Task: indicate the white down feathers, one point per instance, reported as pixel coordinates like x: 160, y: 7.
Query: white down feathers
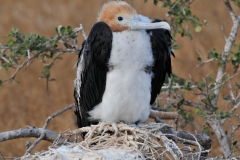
x: 128, y: 87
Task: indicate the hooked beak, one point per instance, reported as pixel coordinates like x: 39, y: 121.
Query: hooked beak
x: 137, y: 25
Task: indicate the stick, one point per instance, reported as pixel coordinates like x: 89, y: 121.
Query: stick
x: 163, y: 115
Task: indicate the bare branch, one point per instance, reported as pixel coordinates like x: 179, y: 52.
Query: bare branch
x: 203, y: 62
x: 82, y: 30
x: 19, y: 68
x: 230, y: 10
x: 226, y: 51
x: 29, y: 132
x: 231, y: 90
x: 3, y: 58
x: 193, y: 104
x: 235, y: 107
x: 221, y: 136
x: 35, y: 143
x: 57, y: 114
x: 163, y: 115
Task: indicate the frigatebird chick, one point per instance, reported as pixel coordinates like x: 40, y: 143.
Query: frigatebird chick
x: 121, y: 67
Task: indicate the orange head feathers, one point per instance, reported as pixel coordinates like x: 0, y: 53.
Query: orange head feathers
x: 120, y: 16
x: 116, y: 14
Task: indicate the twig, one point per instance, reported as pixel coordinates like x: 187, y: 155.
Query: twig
x: 224, y: 35
x: 82, y: 30
x: 235, y: 107
x: 3, y: 58
x: 219, y: 85
x: 57, y: 113
x: 58, y: 55
x: 35, y: 143
x: 2, y: 155
x: 19, y: 68
x: 29, y: 132
x: 193, y: 104
x: 177, y: 87
x: 231, y: 91
x: 163, y: 115
x: 29, y: 57
x: 174, y: 4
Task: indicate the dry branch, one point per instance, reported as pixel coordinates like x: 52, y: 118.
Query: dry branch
x: 57, y: 114
x: 35, y: 143
x: 163, y: 115
x: 29, y: 132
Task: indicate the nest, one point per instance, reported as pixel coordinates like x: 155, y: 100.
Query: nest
x: 144, y: 141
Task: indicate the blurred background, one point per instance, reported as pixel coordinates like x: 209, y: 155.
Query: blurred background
x: 29, y: 103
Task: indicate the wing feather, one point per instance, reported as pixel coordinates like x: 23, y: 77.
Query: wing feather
x: 161, y: 48
x: 91, y: 79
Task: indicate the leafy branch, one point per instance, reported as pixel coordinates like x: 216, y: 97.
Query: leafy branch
x: 21, y: 50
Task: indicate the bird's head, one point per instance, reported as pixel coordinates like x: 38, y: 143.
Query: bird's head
x: 120, y: 16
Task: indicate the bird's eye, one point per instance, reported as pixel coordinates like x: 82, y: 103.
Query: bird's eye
x: 120, y: 18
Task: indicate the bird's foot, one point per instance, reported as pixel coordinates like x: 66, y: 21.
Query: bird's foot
x: 114, y: 125
x: 137, y: 124
x: 101, y: 127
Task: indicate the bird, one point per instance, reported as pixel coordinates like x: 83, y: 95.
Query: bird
x: 121, y: 67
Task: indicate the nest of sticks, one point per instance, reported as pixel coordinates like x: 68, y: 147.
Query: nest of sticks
x: 144, y: 141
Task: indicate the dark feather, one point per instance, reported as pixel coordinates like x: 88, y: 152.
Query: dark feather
x: 96, y: 53
x: 161, y: 48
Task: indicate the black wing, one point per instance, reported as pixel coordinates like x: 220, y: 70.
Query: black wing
x: 161, y: 48
x: 92, y: 71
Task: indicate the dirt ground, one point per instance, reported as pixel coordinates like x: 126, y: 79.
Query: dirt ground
x: 28, y: 103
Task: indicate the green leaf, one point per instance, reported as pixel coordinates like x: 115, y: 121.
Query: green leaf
x: 190, y: 117
x: 199, y: 59
x: 212, y: 96
x: 226, y: 97
x: 62, y: 30
x: 161, y: 5
x: 155, y: 2
x: 211, y: 79
x: 54, y: 43
x: 187, y: 85
x: 228, y: 114
x: 204, y: 100
x: 236, y: 46
x: 220, y: 63
x: 189, y: 36
x: 176, y: 47
x: 215, y: 111
x: 212, y: 86
x: 56, y: 29
x: 69, y: 29
x: 0, y: 82
x: 10, y: 43
x: 198, y: 29
x: 196, y: 110
x: 205, y: 21
x: 206, y: 129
